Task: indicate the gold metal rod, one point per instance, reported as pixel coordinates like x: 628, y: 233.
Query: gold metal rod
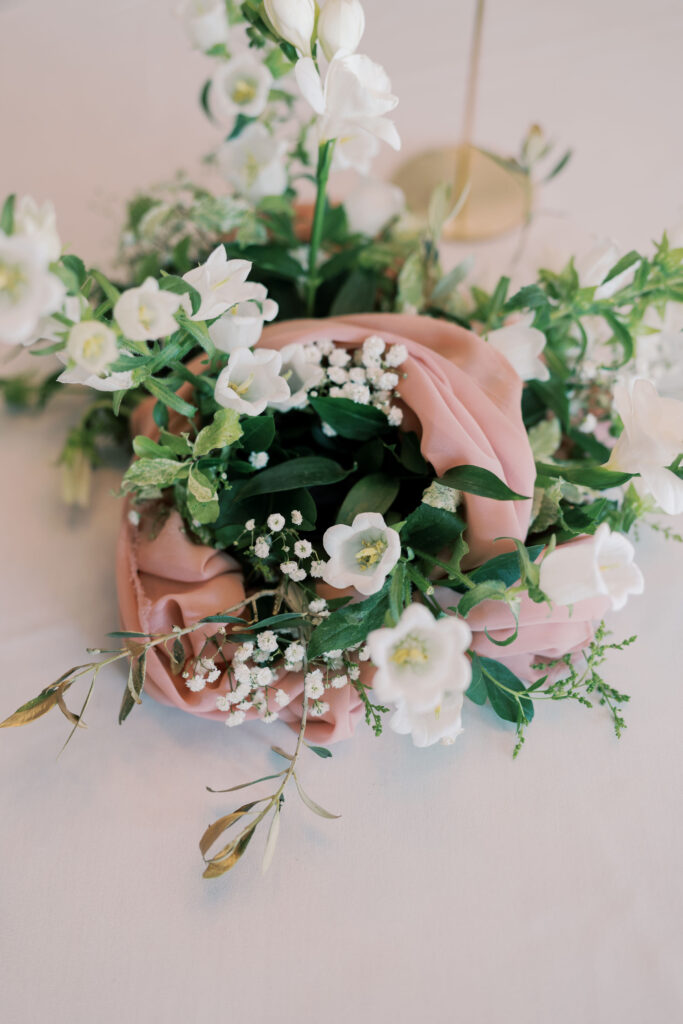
x: 462, y: 170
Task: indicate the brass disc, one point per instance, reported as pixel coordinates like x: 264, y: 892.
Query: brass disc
x: 498, y: 201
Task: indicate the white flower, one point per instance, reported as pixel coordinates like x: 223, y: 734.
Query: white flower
x: 251, y: 381
x: 395, y: 416
x: 240, y: 86
x: 361, y: 555
x: 301, y: 375
x: 146, y: 312
x: 328, y: 431
x: 521, y: 344
x: 282, y: 698
x: 652, y: 438
x: 420, y: 659
x: 355, y: 152
x: 288, y: 568
x: 303, y: 549
x: 601, y: 566
x: 242, y: 326
x: 235, y: 718
x: 244, y: 651
x: 440, y: 725
x: 372, y: 350
x: 337, y: 375
x: 388, y: 381
x: 299, y: 574
x: 91, y: 346
x: 317, y: 568
x: 261, y: 547
x: 297, y: 518
x: 266, y: 641
x: 339, y: 682
x: 340, y: 26
x: 396, y: 355
x: 276, y: 522
x: 354, y: 672
x: 221, y: 283
x: 364, y: 653
x: 38, y: 223
x: 313, y: 684
x: 317, y: 605
x: 371, y: 205
x: 354, y: 100
x: 206, y: 22
x: 196, y: 683
x: 250, y: 524
x: 294, y: 653
x: 293, y: 21
x: 28, y: 291
x: 593, y: 266
x: 259, y: 460
x: 263, y: 677
x: 339, y: 357
x: 254, y: 163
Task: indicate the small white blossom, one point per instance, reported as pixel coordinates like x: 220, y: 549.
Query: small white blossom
x: 235, y: 718
x: 259, y: 460
x: 313, y: 684
x: 263, y: 677
x: 338, y: 375
x: 261, y: 547
x: 282, y: 698
x: 328, y: 431
x: 396, y: 355
x: 250, y: 525
x: 223, y: 702
x: 134, y: 517
x: 242, y: 673
x: 303, y: 549
x: 244, y: 705
x: 301, y: 375
x: 244, y: 651
x: 372, y: 350
x: 299, y: 575
x: 269, y: 716
x: 239, y: 86
x: 196, y: 683
x: 288, y: 568
x: 395, y: 416
x: 338, y: 682
x: 354, y: 672
x: 317, y: 569
x: 297, y: 518
x: 276, y: 522
x: 358, y: 375
x: 208, y: 667
x: 318, y: 708
x: 317, y: 605
x: 267, y: 641
x: 38, y: 223
x: 340, y: 26
x: 294, y: 652
x: 364, y: 653
x: 293, y: 21
x: 241, y: 691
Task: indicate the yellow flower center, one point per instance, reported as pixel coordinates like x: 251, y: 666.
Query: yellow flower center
x: 370, y: 552
x: 411, y: 652
x: 92, y: 347
x: 11, y: 279
x: 243, y: 91
x: 145, y: 316
x: 241, y: 389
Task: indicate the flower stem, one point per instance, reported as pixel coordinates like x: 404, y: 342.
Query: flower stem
x: 322, y: 175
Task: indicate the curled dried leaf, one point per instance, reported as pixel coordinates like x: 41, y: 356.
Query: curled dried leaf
x: 311, y: 804
x: 219, y: 827
x: 215, y: 869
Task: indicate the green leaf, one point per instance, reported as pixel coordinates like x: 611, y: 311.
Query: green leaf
x: 489, y: 590
x: 170, y: 398
x: 477, y: 688
x: 202, y: 501
x: 258, y: 433
x: 176, y: 285
x: 503, y: 567
x: 475, y: 480
x: 623, y: 336
x: 623, y: 264
x: 356, y: 295
x: 350, y: 419
x: 273, y: 258
x: 178, y: 443
x: 349, y: 625
x: 412, y: 281
x: 596, y: 477
x: 431, y: 529
x: 112, y: 293
x: 77, y: 267
x: 132, y: 695
x: 145, y: 448
x: 156, y: 472
x: 504, y: 690
x: 306, y: 471
x: 373, y: 493
x: 320, y: 751
x: 222, y: 432
x: 7, y: 215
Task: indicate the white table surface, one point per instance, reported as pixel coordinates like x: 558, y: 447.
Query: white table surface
x: 458, y: 885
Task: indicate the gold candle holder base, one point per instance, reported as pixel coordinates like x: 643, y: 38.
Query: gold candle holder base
x: 499, y: 199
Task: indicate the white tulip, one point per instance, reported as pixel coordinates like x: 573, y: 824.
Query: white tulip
x: 254, y: 163
x: 91, y: 346
x: 521, y: 344
x: 241, y: 327
x: 440, y: 725
x: 354, y: 100
x: 206, y: 22
x: 301, y: 375
x: 420, y: 659
x: 221, y: 283
x: 650, y: 441
x: 146, y: 312
x: 601, y: 566
x: 593, y: 266
x: 38, y: 223
x: 28, y: 291
x: 341, y: 26
x: 372, y: 204
x: 241, y: 86
x: 361, y: 555
x: 251, y: 381
x: 293, y: 21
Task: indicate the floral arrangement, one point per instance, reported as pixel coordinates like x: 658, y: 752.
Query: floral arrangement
x: 362, y: 490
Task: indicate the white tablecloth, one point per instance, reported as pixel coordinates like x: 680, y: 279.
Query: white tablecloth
x: 457, y: 884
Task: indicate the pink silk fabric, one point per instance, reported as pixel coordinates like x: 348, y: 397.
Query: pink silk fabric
x: 164, y: 580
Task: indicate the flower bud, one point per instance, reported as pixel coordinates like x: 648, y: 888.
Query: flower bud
x: 341, y: 26
x: 294, y: 21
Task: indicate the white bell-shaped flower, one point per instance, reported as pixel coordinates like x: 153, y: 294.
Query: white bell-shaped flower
x: 40, y: 224
x: 147, y: 312
x: 251, y: 381
x: 440, y: 725
x: 521, y: 344
x: 361, y: 555
x: 206, y: 22
x: 241, y: 326
x: 600, y: 567
x: 420, y: 660
x: 301, y: 374
x: 28, y: 291
x: 240, y: 86
x: 221, y: 283
x: 254, y: 163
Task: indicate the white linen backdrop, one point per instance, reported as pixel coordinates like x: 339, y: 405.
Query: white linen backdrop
x: 457, y: 884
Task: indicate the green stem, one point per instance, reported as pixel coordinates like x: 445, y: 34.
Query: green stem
x: 322, y: 175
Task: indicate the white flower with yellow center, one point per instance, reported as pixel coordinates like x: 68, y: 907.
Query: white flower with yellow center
x: 28, y: 291
x: 241, y: 326
x: 221, y: 283
x: 254, y: 163
x: 420, y: 660
x: 206, y: 22
x: 601, y: 566
x: 38, y: 223
x: 301, y: 375
x: 90, y: 350
x: 240, y: 86
x: 522, y: 345
x: 146, y: 312
x: 651, y: 440
x: 251, y: 381
x: 361, y: 555
x: 440, y: 725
